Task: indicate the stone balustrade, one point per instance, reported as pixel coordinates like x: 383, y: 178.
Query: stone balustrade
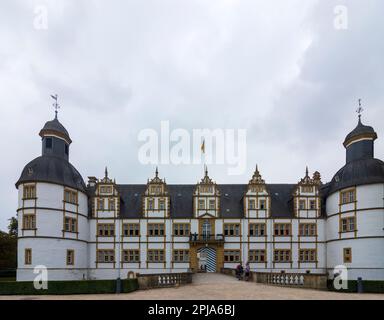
x: 163, y: 280
x: 303, y: 280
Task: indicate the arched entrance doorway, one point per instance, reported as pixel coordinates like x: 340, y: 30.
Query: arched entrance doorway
x: 207, y: 259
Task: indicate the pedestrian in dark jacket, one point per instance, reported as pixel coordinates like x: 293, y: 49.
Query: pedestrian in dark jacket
x: 239, y: 271
x: 247, y: 271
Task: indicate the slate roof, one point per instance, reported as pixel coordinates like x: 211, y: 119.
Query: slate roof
x: 359, y: 130
x: 52, y: 169
x: 231, y: 200
x: 55, y: 125
x: 358, y: 172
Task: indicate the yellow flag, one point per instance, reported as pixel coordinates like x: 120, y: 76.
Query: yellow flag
x: 203, y: 146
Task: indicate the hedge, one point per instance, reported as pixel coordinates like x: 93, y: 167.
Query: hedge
x: 7, y: 273
x: 68, y: 287
x: 369, y: 286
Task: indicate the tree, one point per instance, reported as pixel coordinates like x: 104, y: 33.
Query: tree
x: 8, y: 246
x: 12, y: 227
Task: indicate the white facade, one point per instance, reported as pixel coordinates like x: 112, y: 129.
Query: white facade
x: 99, y: 233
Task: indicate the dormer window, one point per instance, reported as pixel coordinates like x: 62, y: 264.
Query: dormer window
x: 201, y: 204
x: 252, y: 204
x: 262, y: 204
x: 151, y: 204
x: 161, y: 204
x: 211, y: 204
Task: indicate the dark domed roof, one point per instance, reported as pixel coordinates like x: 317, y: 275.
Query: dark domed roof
x: 53, y: 170
x: 54, y: 126
x: 358, y: 172
x: 361, y: 130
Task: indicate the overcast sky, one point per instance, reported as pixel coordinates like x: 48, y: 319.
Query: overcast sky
x: 279, y: 69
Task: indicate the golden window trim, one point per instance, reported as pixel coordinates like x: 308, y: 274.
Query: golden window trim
x: 233, y: 227
x: 72, y: 252
x: 72, y: 222
x: 29, y: 192
x: 347, y: 257
x: 28, y: 256
x: 98, y: 251
x: 252, y: 226
x: 347, y: 192
x: 73, y: 196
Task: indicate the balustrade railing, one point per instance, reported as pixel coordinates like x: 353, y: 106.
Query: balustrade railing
x: 163, y: 280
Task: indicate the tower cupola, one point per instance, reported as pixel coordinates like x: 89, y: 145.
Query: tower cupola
x: 55, y: 138
x: 359, y: 143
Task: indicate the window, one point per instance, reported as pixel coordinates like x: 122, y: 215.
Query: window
x: 48, y: 143
x: 252, y: 204
x: 29, y: 221
x: 262, y: 205
x: 211, y: 204
x: 282, y: 229
x: 112, y: 204
x: 155, y: 229
x: 201, y: 204
x: 105, y: 189
x: 155, y: 255
x: 70, y: 196
x: 347, y: 255
x: 180, y: 255
x: 155, y: 190
x: 231, y: 255
x: 257, y: 188
x: 29, y: 192
x: 256, y: 256
x: 312, y: 204
x: 28, y: 256
x: 206, y: 189
x: 105, y: 229
x: 151, y: 204
x: 307, y: 229
x: 131, y: 230
x: 307, y: 189
x: 348, y: 196
x: 232, y: 229
x: 282, y: 255
x: 348, y: 224
x: 70, y: 257
x: 257, y: 229
x: 106, y: 256
x: 181, y: 229
x: 100, y: 204
x: 302, y: 205
x: 307, y: 255
x: 161, y: 204
x: 131, y: 255
x: 70, y: 224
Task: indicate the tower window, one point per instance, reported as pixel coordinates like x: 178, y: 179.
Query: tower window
x: 48, y: 143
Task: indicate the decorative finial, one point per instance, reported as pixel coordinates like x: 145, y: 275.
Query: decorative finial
x: 206, y: 170
x: 157, y: 172
x: 359, y: 110
x: 257, y: 169
x: 55, y: 105
x: 106, y: 172
x: 306, y: 171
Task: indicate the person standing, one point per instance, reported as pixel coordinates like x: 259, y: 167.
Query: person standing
x: 247, y: 271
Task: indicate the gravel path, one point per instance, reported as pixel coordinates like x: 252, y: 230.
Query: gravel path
x: 215, y: 286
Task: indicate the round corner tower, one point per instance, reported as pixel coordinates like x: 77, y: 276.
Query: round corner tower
x: 52, y: 211
x: 355, y: 209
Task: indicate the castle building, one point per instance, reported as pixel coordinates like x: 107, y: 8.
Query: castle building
x: 106, y: 230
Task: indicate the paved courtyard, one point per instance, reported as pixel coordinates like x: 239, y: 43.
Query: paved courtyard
x: 215, y: 286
